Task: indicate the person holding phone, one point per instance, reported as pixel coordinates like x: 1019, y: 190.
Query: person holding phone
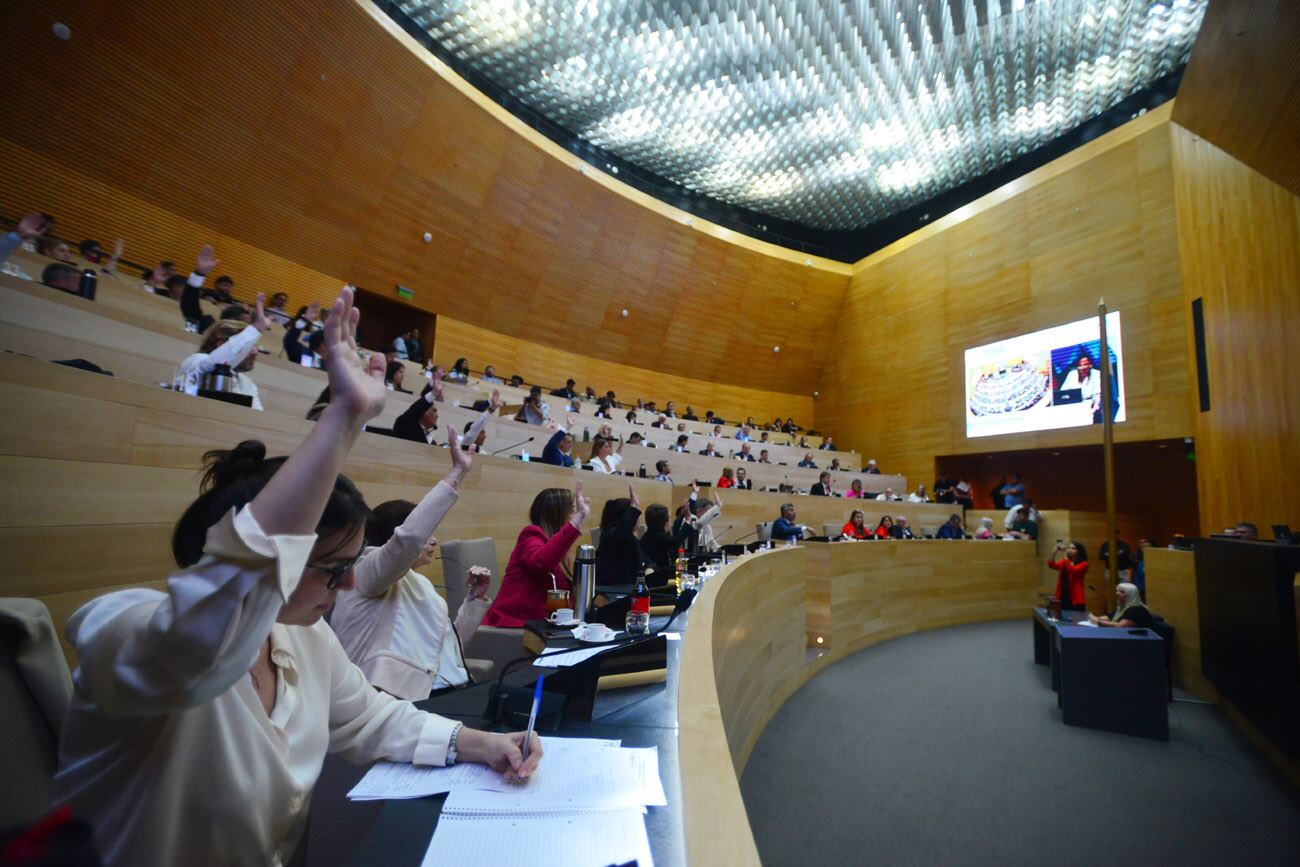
x: 395, y: 627
x: 1070, y: 586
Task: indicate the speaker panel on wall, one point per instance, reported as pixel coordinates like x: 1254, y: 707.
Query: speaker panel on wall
x: 1202, y: 366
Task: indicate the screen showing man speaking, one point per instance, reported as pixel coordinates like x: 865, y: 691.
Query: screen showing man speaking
x: 1042, y: 381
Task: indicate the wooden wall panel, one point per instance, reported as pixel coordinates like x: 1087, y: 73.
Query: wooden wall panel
x: 1241, y: 89
x: 1039, y: 252
x: 1239, y: 236
x: 313, y: 131
x: 1171, y: 593
x: 552, y: 366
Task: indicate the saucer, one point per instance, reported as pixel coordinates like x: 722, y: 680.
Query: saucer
x: 567, y: 625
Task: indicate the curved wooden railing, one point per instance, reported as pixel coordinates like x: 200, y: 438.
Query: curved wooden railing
x: 770, y: 621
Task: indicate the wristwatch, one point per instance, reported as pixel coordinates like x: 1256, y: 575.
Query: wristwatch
x: 451, y: 745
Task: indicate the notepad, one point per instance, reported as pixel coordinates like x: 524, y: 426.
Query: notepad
x: 592, y: 838
x: 576, y: 779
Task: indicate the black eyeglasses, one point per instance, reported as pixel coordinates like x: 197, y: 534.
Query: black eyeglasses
x: 336, y: 572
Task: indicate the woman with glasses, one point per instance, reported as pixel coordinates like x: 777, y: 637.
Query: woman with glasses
x: 201, y: 714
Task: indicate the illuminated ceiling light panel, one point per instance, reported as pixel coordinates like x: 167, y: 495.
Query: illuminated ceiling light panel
x: 830, y: 114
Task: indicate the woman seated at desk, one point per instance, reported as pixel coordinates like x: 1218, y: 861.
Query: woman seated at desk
x: 856, y: 526
x: 618, y: 556
x: 540, y: 560
x: 604, y: 458
x: 882, y: 529
x: 1130, y: 611
x: 1072, y: 568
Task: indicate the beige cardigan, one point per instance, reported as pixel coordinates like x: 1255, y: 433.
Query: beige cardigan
x: 394, y: 626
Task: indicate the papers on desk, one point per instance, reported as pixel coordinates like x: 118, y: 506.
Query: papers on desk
x: 572, y: 657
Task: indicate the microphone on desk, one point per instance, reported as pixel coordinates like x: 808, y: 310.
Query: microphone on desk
x: 515, y: 446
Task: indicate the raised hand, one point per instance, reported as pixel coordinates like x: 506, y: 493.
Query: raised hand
x: 207, y: 260
x: 581, y: 506
x: 313, y: 311
x: 460, y: 458
x: 118, y: 249
x: 356, y: 388
x: 260, y: 319
x: 477, y: 581
x: 32, y: 225
x: 435, y: 386
x: 631, y: 495
x: 495, y: 403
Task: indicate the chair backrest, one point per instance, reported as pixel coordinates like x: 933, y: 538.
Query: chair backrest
x: 834, y: 529
x: 928, y: 532
x: 35, y: 689
x: 764, y: 531
x: 460, y: 554
x: 595, y: 537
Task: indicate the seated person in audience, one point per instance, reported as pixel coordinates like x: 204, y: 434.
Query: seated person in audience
x: 604, y: 408
x: 808, y: 462
x: 56, y: 249
x: 789, y: 426
x: 534, y: 410
x: 888, y: 495
x: 763, y: 458
x: 744, y: 454
x: 742, y: 482
x: 649, y: 406
x: 222, y: 290
x: 459, y: 372
x: 400, y: 347
x: 276, y: 312
x: 474, y: 433
x: 155, y: 278
x: 835, y: 464
x: 573, y: 406
x: 961, y: 495
x: 663, y: 472
x: 230, y: 343
x: 682, y: 444
x: 658, y: 545
x: 237, y: 313
x: 166, y: 748
x: 900, y: 530
x: 690, y: 415
x: 784, y: 528
x: 661, y: 422
x: 635, y: 439
x: 618, y: 556
x: 943, y: 488
x: 1072, y: 569
x: 1023, y: 512
x: 605, y: 457
x: 516, y: 381
x: 394, y: 626
x: 1246, y: 531
x: 828, y: 444
x: 951, y: 529
x: 92, y: 252
x: 540, y: 559
x: 749, y: 423
x: 630, y: 418
x: 823, y: 486
x: 589, y: 395
x: 607, y: 431
x: 490, y: 375
x: 681, y: 427
x: 558, y: 449
x: 872, y: 469
x: 1130, y: 611
x: 56, y: 275
x: 419, y: 422
x: 295, y: 336
x: 727, y: 479
x: 986, y: 529
x: 883, y: 527
x: 855, y: 491
x: 709, y: 416
x: 694, y: 523
x: 670, y: 410
x: 919, y: 495
x: 763, y: 438
x: 30, y: 227
x: 567, y: 391
x: 744, y: 435
x: 803, y: 442
x: 394, y: 376
x: 709, y: 450
x: 613, y: 399
x: 856, y: 526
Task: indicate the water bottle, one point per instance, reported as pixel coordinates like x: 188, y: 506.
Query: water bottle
x: 584, y: 581
x: 524, y: 457
x: 89, y: 282
x: 586, y: 434
x: 641, y: 472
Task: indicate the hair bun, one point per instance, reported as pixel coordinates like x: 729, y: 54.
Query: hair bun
x: 223, y: 466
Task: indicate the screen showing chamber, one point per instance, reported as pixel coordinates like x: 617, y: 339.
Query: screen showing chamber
x: 1042, y: 381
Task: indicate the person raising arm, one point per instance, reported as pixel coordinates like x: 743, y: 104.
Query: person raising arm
x: 538, y: 561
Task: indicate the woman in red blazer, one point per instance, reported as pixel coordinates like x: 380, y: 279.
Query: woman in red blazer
x: 556, y: 518
x: 727, y: 479
x: 856, y: 527
x: 1070, y: 588
x: 882, y: 529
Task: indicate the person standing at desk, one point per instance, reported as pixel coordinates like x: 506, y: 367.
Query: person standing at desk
x: 1070, y: 588
x: 1130, y: 611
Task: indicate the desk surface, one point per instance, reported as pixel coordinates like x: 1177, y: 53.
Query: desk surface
x: 394, y: 833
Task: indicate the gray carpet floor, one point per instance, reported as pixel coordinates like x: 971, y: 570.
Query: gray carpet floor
x: 947, y: 748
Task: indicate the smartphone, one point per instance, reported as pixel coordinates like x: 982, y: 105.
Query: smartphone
x: 1060, y: 541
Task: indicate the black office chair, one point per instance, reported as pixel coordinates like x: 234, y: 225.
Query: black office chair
x: 1166, y: 632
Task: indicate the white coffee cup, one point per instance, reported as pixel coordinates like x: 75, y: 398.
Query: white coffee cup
x: 596, y: 632
x: 562, y: 615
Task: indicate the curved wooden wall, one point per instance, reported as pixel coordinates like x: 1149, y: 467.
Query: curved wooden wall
x: 314, y: 131
x: 745, y: 651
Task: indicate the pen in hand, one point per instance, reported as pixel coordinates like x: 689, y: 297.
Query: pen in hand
x: 532, y: 716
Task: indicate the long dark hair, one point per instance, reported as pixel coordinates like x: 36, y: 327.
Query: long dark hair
x: 550, y: 509
x: 232, y: 478
x: 614, y: 511
x: 1083, y: 552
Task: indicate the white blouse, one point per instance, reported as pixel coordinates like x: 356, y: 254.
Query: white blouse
x: 606, y: 465
x: 190, y: 373
x: 166, y: 748
x: 395, y: 627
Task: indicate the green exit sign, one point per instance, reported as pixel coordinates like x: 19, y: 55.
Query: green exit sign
x: 403, y: 292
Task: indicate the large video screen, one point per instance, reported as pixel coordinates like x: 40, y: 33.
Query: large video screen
x: 1042, y: 381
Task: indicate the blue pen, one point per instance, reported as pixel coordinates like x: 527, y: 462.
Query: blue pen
x: 532, y: 716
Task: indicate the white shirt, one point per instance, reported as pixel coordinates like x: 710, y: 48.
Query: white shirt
x: 606, y: 465
x: 166, y: 748
x: 1010, y: 519
x: 1089, y: 387
x: 395, y: 627
x: 232, y: 353
x: 917, y: 498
